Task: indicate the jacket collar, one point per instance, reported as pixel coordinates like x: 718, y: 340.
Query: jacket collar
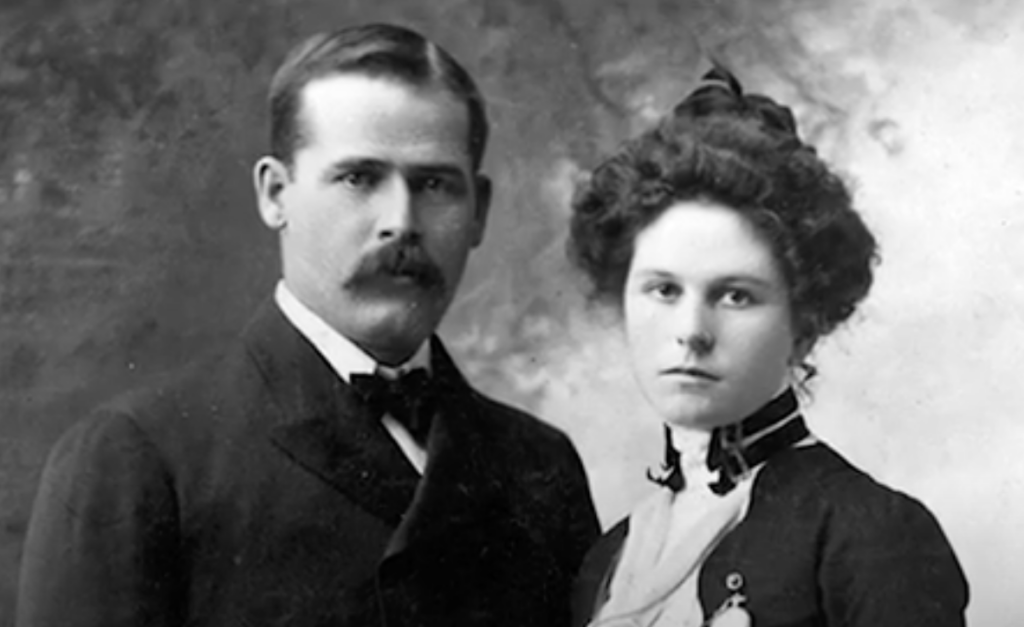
x: 458, y: 481
x: 323, y: 426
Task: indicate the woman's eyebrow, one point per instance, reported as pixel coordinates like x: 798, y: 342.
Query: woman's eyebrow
x: 751, y: 279
x: 655, y: 272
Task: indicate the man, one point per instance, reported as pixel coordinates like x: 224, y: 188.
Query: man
x: 333, y: 467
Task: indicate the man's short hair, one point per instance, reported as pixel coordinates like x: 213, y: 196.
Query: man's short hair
x: 375, y: 50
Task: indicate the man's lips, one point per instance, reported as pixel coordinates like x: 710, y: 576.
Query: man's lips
x: 406, y: 277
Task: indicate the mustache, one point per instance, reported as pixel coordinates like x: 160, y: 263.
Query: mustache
x: 401, y: 258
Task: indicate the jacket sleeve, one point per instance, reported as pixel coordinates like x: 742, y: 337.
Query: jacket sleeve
x: 582, y: 528
x: 887, y: 563
x: 102, y: 543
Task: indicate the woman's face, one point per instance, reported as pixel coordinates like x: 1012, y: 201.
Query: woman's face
x: 707, y: 316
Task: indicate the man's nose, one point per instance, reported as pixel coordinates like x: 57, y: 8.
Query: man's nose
x: 396, y: 216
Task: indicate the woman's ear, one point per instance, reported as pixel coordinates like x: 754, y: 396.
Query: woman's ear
x: 802, y: 347
x: 270, y: 178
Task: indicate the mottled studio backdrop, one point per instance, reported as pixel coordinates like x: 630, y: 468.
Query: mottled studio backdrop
x: 130, y: 242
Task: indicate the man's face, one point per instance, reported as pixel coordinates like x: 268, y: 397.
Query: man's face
x: 379, y: 210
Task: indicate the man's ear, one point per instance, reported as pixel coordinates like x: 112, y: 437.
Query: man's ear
x: 270, y: 177
x: 483, y: 206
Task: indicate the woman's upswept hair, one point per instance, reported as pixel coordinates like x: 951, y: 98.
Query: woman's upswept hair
x: 742, y: 151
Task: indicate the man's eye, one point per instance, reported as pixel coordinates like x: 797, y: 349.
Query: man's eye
x: 357, y: 179
x: 439, y: 185
x: 434, y: 183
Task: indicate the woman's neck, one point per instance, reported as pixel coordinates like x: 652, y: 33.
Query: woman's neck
x: 692, y: 442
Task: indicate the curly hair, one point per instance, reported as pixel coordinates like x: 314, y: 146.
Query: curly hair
x: 742, y: 151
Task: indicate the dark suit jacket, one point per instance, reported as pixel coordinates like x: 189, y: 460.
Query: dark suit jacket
x: 259, y: 491
x: 822, y: 545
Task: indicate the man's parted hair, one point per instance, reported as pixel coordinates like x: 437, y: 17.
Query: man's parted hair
x: 374, y: 50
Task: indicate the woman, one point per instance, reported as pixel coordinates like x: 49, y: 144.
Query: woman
x: 730, y: 249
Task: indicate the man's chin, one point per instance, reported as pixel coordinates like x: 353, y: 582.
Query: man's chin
x: 392, y: 337
x: 412, y: 313
x: 399, y: 285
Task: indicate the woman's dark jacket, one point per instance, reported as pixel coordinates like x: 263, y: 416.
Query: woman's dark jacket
x: 822, y: 544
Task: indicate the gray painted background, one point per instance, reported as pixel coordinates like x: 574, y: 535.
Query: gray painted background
x: 130, y: 243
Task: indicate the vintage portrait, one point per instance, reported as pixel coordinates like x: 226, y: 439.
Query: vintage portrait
x: 546, y: 313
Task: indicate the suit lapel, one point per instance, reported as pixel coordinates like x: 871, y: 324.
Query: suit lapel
x: 459, y: 485
x: 321, y: 424
x: 359, y: 462
x: 323, y: 427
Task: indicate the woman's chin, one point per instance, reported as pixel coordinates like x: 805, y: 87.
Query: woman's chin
x: 689, y: 420
x: 697, y: 416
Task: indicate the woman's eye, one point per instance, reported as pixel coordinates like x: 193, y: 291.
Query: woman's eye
x: 664, y: 291
x: 737, y: 298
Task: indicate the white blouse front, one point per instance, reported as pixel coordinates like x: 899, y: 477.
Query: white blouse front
x: 671, y: 534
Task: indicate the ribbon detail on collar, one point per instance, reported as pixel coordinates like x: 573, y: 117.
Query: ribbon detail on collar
x: 737, y: 448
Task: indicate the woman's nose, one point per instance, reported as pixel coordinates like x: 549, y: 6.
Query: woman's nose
x: 695, y: 328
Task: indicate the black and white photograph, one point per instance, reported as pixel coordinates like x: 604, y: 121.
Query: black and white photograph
x: 567, y: 313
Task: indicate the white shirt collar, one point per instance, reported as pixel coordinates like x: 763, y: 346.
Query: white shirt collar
x: 341, y: 353
x: 692, y: 445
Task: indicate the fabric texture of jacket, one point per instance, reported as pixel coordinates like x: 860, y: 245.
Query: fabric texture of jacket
x: 258, y: 490
x: 822, y: 545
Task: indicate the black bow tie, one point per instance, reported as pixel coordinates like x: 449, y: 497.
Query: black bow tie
x: 737, y: 448
x: 408, y: 399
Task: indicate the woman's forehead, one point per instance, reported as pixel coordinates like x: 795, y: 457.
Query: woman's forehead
x: 704, y: 240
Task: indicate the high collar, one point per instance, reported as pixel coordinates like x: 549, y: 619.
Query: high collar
x: 729, y: 453
x: 782, y: 407
x: 737, y: 449
x: 692, y: 446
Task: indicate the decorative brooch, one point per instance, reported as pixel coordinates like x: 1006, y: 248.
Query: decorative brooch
x: 732, y: 612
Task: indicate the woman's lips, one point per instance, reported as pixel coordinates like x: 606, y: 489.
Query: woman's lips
x: 690, y: 373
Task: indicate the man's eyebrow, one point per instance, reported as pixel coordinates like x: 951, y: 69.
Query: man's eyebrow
x: 379, y: 165
x: 441, y: 169
x: 354, y: 163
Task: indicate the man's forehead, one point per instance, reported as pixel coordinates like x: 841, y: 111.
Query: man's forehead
x: 381, y: 117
